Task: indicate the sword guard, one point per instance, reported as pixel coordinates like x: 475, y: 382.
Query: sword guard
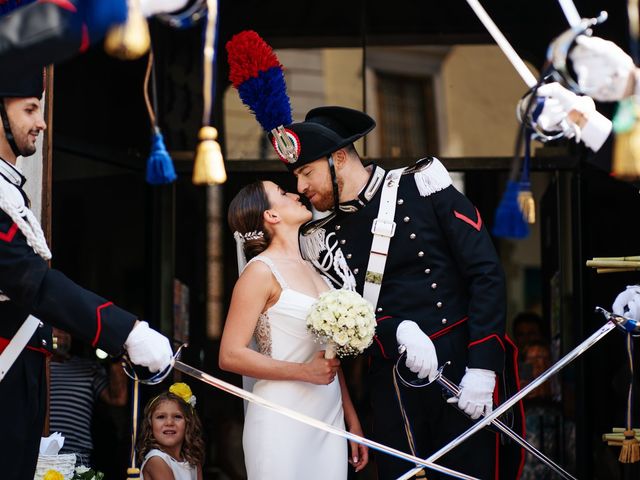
x: 627, y: 325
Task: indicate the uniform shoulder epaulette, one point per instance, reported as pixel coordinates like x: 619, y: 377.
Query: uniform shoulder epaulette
x: 312, y: 237
x: 430, y: 175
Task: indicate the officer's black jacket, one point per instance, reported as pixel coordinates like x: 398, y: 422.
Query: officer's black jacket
x: 442, y: 269
x: 35, y: 289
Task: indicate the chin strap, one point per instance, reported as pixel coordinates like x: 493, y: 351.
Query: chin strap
x: 7, y: 129
x: 334, y: 184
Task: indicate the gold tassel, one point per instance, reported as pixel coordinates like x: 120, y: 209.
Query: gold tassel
x: 133, y: 473
x: 131, y: 39
x: 527, y: 205
x: 209, y: 164
x: 626, y: 145
x: 630, y: 452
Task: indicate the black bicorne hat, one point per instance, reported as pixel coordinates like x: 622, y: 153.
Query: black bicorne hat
x: 324, y: 130
x: 23, y: 84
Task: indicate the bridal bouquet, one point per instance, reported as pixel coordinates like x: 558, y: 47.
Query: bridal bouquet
x: 344, y: 320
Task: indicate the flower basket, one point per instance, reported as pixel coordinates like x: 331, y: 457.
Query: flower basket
x: 63, y: 463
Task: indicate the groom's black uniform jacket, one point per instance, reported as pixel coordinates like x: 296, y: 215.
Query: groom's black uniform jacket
x: 35, y: 289
x: 443, y: 273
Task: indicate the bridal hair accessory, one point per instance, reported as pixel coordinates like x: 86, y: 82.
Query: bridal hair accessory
x: 240, y: 239
x: 255, y: 235
x: 183, y: 391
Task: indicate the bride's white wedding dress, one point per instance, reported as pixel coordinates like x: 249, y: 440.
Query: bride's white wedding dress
x: 277, y: 447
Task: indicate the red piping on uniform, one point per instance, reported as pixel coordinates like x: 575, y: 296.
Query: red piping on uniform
x: 487, y: 338
x: 66, y: 4
x: 477, y: 225
x: 84, y: 44
x: 9, y: 234
x: 384, y: 354
x: 496, y: 467
x: 439, y: 333
x: 521, y: 406
x: 99, y: 322
x: 378, y: 320
x: 5, y: 341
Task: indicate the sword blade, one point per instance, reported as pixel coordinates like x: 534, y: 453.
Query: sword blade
x: 454, y: 389
x: 503, y: 43
x: 570, y: 12
x: 239, y: 392
x: 484, y: 421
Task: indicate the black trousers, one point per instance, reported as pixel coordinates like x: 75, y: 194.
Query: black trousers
x: 23, y: 402
x: 433, y: 423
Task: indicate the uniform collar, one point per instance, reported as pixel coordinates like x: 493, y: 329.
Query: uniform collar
x: 11, y: 173
x: 368, y: 192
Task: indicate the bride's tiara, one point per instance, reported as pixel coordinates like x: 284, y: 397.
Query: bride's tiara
x: 255, y: 235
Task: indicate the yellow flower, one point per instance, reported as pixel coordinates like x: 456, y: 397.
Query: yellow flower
x: 53, y: 475
x: 183, y: 391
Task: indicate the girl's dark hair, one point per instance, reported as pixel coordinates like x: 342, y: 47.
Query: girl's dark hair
x: 245, y: 215
x: 192, y: 447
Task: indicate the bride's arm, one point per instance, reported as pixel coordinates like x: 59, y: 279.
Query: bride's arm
x: 359, y: 456
x: 254, y: 291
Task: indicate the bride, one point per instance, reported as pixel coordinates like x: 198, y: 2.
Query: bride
x: 270, y: 303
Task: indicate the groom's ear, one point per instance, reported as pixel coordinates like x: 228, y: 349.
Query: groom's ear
x: 339, y: 158
x: 271, y: 216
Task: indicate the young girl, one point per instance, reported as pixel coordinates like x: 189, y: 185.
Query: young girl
x: 170, y: 444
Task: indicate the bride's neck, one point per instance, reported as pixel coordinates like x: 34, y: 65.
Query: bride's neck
x: 286, y: 246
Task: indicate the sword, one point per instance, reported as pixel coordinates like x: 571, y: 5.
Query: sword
x: 503, y: 43
x: 613, y: 321
x: 455, y: 390
x: 239, y: 392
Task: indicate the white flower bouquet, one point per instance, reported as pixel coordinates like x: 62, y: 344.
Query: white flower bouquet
x: 344, y: 320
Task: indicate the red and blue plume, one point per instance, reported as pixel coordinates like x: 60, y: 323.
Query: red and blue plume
x: 254, y: 70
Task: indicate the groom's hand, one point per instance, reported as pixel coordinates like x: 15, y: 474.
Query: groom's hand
x: 320, y: 370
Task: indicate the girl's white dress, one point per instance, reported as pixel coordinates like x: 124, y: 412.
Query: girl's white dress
x: 277, y: 447
x: 181, y: 470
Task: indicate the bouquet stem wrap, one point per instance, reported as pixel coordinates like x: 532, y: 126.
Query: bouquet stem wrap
x: 330, y: 351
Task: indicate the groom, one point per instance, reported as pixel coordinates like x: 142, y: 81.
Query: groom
x: 419, y: 251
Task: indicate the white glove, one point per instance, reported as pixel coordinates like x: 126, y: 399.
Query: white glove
x: 603, y: 68
x: 421, y: 354
x: 148, y: 348
x: 627, y: 303
x: 476, y: 395
x: 151, y: 7
x: 560, y: 108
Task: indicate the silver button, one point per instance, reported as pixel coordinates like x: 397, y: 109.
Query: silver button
x: 443, y: 321
x: 355, y: 271
x: 412, y: 236
x: 427, y: 271
x: 379, y: 309
x: 44, y: 343
x: 400, y: 201
x: 439, y: 304
x: 343, y: 241
x: 337, y: 227
x: 40, y: 324
x: 406, y: 219
x: 434, y: 285
x: 421, y: 254
x: 349, y: 256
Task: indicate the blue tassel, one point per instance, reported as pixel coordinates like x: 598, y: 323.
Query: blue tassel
x: 509, y: 222
x: 160, y: 168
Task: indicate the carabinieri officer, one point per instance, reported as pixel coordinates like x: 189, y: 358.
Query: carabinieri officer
x: 419, y: 250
